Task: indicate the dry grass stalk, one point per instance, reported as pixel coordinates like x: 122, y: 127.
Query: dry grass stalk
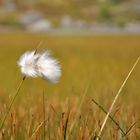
x: 112, y: 118
x: 79, y: 135
x: 116, y: 97
x: 11, y: 103
x: 86, y: 137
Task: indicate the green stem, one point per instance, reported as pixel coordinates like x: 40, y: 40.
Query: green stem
x: 10, y: 106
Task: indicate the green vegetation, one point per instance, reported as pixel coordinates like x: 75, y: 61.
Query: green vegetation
x: 93, y: 67
x: 112, y: 11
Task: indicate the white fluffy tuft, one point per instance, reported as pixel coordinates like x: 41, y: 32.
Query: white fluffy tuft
x: 40, y: 64
x: 27, y: 64
x: 48, y: 67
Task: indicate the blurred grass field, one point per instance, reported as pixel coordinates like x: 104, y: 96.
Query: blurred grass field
x: 97, y: 63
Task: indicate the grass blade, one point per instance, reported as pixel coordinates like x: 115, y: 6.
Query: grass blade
x: 11, y: 103
x: 44, y: 117
x: 101, y: 107
x: 116, y: 97
x: 37, y: 129
x: 66, y: 125
x: 79, y: 109
x: 130, y: 128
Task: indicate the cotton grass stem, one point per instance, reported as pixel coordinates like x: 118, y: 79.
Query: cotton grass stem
x: 10, y: 106
x: 116, y: 97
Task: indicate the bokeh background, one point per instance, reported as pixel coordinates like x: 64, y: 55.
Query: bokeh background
x: 75, y: 16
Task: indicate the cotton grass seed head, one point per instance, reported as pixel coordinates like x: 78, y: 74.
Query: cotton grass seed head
x: 27, y: 64
x: 40, y: 65
x: 48, y: 67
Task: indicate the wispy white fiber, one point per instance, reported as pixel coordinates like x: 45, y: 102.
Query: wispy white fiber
x: 42, y: 64
x: 27, y: 64
x: 48, y: 67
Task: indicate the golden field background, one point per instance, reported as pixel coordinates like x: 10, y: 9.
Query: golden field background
x: 95, y: 64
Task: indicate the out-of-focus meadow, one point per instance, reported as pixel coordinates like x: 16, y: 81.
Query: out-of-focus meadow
x: 93, y: 65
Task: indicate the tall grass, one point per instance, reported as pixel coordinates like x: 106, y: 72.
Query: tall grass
x: 116, y: 97
x: 11, y: 103
x: 98, y: 60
